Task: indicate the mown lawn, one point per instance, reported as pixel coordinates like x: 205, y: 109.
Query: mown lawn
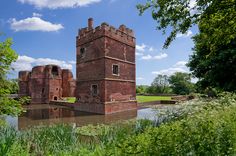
x: 70, y: 99
x: 142, y: 99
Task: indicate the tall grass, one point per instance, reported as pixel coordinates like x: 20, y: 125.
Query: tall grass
x: 200, y: 127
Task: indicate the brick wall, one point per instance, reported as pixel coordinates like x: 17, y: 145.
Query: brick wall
x: 98, y: 49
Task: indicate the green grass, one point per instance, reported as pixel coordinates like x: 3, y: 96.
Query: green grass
x: 70, y: 99
x: 142, y: 99
x: 197, y: 127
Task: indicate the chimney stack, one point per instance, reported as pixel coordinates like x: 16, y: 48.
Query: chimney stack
x: 90, y: 23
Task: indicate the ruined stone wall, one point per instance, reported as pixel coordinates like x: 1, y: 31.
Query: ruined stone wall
x: 24, y: 77
x: 46, y: 83
x: 68, y: 84
x: 38, y: 89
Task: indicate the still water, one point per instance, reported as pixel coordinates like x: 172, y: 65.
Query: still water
x: 50, y: 114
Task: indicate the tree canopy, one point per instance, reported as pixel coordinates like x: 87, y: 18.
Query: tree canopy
x: 161, y: 84
x: 217, y: 70
x: 214, y: 57
x: 7, y: 56
x: 181, y: 83
x: 217, y: 17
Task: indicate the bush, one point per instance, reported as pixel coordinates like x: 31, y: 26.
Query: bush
x: 198, y: 127
x: 208, y: 131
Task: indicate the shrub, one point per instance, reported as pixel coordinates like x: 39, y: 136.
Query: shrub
x: 209, y: 131
x: 198, y: 127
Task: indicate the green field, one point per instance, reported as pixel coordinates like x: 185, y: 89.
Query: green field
x: 142, y: 99
x: 70, y: 99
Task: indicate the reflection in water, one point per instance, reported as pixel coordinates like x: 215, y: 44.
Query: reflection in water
x: 50, y: 114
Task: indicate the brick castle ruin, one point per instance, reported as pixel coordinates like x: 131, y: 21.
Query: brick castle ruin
x: 105, y: 72
x: 46, y: 83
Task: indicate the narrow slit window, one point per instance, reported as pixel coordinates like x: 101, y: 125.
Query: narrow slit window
x: 82, y: 52
x: 94, y: 89
x: 115, y: 69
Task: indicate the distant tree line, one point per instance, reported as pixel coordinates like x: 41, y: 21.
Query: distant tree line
x: 179, y: 83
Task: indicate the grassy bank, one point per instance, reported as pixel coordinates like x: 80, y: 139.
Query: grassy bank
x: 70, y: 99
x: 142, y: 99
x: 198, y: 127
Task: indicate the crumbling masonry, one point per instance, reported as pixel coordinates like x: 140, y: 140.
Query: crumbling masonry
x: 46, y: 83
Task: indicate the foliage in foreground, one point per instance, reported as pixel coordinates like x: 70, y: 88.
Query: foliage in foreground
x: 210, y: 131
x: 205, y: 127
x: 7, y: 56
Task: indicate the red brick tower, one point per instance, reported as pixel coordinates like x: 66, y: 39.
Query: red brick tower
x: 105, y: 69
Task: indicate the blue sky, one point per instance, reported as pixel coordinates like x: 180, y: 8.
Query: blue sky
x: 44, y: 32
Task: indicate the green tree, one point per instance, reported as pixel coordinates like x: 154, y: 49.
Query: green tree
x: 218, y: 70
x: 7, y: 56
x: 13, y: 86
x: 213, y: 61
x: 141, y: 89
x: 217, y: 16
x: 181, y: 83
x: 161, y: 84
x: 151, y: 90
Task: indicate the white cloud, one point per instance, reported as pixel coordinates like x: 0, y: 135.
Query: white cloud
x: 37, y: 14
x: 144, y: 48
x: 146, y: 57
x: 27, y: 63
x: 161, y: 56
x: 54, y: 4
x: 169, y: 71
x: 177, y: 67
x: 141, y: 48
x: 187, y: 34
x: 151, y: 49
x: 157, y: 57
x: 138, y: 54
x: 72, y: 62
x: 181, y: 64
x: 34, y: 24
x: 139, y: 78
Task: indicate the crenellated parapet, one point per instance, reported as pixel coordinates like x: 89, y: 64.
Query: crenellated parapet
x: 105, y: 66
x: 122, y: 34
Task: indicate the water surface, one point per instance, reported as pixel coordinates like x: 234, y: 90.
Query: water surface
x: 44, y: 114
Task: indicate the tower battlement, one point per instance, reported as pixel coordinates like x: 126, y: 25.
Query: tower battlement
x: 105, y: 69
x: 122, y: 34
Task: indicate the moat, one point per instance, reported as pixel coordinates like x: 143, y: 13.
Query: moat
x: 44, y: 114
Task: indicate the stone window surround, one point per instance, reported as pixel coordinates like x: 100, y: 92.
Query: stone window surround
x: 118, y: 69
x: 91, y: 89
